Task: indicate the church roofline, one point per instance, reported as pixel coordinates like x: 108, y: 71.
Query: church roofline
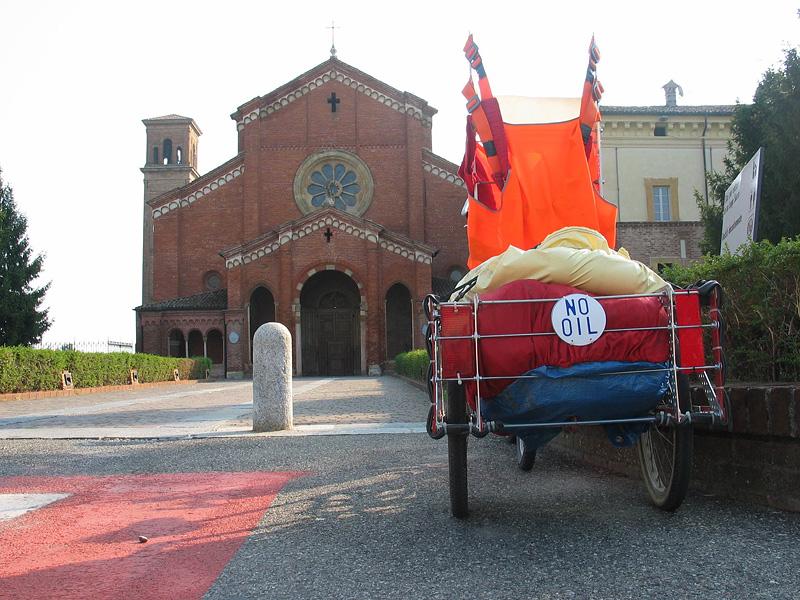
x: 328, y: 217
x: 659, y: 110
x: 191, y: 192
x: 441, y: 167
x: 333, y: 69
x: 172, y: 120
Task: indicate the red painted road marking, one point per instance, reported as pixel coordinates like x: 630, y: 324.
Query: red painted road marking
x: 86, y: 545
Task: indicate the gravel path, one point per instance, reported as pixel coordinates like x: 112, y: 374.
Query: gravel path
x: 371, y: 520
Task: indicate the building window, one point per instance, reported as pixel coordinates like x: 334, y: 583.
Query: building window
x: 167, y: 153
x: 336, y: 179
x: 456, y: 274
x: 660, y: 131
x: 155, y: 155
x: 179, y: 155
x: 213, y: 281
x: 662, y: 199
x: 334, y: 185
x: 661, y: 203
x: 658, y: 264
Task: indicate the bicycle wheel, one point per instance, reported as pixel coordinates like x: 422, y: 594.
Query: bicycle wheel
x: 457, y: 450
x: 665, y: 456
x: 526, y: 457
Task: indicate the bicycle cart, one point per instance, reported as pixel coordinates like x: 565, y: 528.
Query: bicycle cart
x: 552, y: 327
x: 529, y: 359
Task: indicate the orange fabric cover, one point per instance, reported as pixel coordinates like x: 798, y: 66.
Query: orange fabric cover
x: 549, y: 187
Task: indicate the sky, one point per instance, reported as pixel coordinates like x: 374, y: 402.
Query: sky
x: 77, y: 78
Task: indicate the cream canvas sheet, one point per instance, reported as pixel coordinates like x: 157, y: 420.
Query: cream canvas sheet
x: 575, y: 256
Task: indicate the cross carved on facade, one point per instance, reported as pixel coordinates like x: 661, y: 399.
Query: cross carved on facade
x: 333, y: 101
x: 328, y: 234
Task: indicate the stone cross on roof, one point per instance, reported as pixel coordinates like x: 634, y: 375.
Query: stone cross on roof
x: 333, y: 27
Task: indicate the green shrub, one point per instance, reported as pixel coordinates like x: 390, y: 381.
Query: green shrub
x: 761, y: 309
x: 413, y: 364
x: 26, y: 370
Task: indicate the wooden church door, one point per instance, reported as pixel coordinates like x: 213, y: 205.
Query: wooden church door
x: 336, y: 349
x: 331, y: 333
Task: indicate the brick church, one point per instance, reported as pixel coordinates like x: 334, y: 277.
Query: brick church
x: 334, y: 218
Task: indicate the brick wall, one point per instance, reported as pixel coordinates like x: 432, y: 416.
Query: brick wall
x: 757, y: 459
x: 651, y: 242
x: 406, y: 200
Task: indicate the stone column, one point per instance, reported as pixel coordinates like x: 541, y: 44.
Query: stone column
x: 298, y: 357
x: 272, y: 378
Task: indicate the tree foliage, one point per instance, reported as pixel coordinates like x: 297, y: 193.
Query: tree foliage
x: 761, y: 285
x: 22, y: 320
x: 772, y: 121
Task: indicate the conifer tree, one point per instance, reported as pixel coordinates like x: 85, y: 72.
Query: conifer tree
x: 22, y: 320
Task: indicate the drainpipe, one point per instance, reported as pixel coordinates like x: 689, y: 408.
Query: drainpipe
x: 616, y: 168
x: 705, y: 166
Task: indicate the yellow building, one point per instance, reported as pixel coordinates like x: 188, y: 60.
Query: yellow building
x: 653, y: 159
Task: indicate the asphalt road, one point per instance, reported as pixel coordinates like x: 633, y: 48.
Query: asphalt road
x: 370, y: 519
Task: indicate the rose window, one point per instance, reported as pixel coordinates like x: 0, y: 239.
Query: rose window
x: 334, y: 186
x: 333, y: 179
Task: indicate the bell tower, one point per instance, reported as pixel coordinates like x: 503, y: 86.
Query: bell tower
x: 171, y: 162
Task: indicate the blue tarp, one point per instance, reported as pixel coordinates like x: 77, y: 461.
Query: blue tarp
x: 585, y: 391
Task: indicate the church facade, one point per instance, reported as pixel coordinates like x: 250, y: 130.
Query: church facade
x: 335, y: 219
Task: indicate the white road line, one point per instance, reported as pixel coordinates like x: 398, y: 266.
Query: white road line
x: 15, y: 505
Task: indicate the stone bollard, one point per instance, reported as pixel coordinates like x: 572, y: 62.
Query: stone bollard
x: 272, y: 378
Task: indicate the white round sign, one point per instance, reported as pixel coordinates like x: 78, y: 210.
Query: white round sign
x: 233, y: 337
x: 578, y: 319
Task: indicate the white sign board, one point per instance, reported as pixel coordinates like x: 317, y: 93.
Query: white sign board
x: 740, y: 212
x: 578, y: 319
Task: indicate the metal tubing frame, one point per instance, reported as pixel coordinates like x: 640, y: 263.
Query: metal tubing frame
x: 482, y: 426
x: 515, y: 426
x: 691, y: 371
x: 546, y: 333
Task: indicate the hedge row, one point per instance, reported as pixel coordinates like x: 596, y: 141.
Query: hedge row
x: 761, y: 286
x: 28, y: 370
x: 413, y: 364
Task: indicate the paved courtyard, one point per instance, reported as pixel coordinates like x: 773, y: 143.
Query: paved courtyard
x: 240, y: 515
x: 349, y: 404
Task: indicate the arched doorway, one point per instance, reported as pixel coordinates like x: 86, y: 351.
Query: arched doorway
x: 329, y: 305
x: 262, y: 310
x: 214, y: 349
x: 398, y: 321
x: 177, y: 344
x: 196, y: 347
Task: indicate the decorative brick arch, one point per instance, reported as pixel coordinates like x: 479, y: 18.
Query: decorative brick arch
x: 341, y: 267
x: 394, y: 282
x: 269, y: 287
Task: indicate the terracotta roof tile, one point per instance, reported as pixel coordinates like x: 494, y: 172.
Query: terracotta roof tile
x: 216, y: 300
x: 708, y: 109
